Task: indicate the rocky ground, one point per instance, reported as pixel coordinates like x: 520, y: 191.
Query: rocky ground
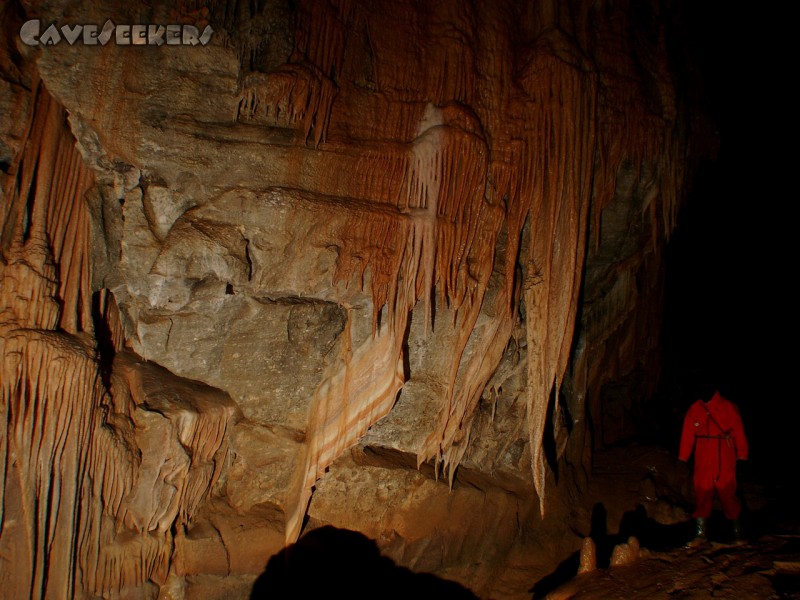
x: 766, y: 565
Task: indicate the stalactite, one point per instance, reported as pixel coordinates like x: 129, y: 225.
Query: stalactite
x: 110, y: 563
x: 29, y: 284
x: 302, y: 91
x: 547, y: 177
x: 449, y: 440
x: 321, y: 32
x: 50, y: 383
x: 382, y: 170
x: 63, y: 458
x: 50, y: 176
x: 408, y: 253
x: 406, y: 258
x: 50, y: 394
x: 472, y: 145
x: 70, y: 448
x: 125, y: 541
x: 452, y: 34
x: 630, y: 130
x: 549, y: 134
x: 199, y: 418
x: 297, y: 94
x: 108, y: 311
x: 350, y: 400
x: 564, y: 125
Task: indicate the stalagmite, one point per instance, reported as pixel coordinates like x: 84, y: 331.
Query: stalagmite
x: 626, y: 553
x: 588, y: 556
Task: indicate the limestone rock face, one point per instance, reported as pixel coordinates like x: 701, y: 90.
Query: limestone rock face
x: 347, y: 263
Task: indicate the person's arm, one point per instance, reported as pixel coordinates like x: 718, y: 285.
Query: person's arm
x: 739, y: 438
x: 687, y: 436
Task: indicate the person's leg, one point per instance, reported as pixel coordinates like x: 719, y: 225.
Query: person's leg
x: 731, y: 506
x: 704, y: 498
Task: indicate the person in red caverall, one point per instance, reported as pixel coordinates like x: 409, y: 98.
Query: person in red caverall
x: 713, y: 428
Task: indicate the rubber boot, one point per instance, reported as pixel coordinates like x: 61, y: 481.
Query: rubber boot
x: 700, y: 536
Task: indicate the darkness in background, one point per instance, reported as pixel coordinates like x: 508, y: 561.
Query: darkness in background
x: 728, y: 308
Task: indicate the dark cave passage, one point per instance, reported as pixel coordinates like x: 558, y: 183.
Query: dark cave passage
x: 727, y: 310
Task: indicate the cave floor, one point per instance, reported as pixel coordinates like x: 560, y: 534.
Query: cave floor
x: 766, y: 568
x: 642, y: 492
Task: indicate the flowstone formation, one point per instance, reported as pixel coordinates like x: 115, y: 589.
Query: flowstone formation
x: 362, y: 264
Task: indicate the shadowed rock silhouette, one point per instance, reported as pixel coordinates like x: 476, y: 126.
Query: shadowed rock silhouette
x: 333, y: 562
x: 651, y: 535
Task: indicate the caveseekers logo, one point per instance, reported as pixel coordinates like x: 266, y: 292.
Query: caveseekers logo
x: 31, y: 33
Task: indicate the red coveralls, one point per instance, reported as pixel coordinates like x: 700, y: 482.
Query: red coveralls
x: 717, y: 446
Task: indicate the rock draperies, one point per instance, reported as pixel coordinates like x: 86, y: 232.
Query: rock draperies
x: 495, y: 148
x: 465, y: 143
x: 83, y: 509
x: 51, y: 389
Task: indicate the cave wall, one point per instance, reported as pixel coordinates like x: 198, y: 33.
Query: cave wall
x: 355, y: 263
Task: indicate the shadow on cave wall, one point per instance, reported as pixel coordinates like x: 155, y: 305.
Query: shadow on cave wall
x: 339, y: 563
